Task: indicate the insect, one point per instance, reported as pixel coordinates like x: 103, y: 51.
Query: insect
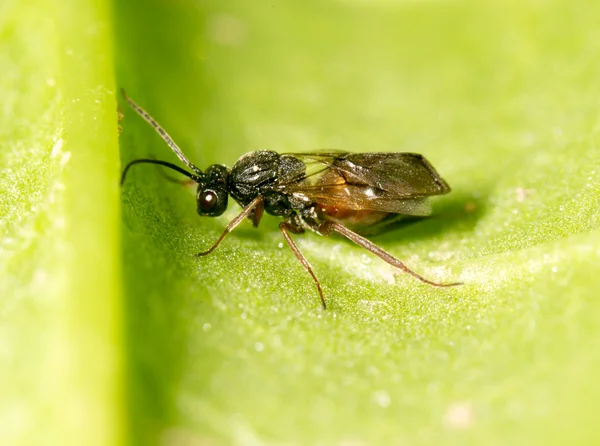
x: 347, y: 193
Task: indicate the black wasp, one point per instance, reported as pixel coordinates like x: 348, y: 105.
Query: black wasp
x: 347, y: 193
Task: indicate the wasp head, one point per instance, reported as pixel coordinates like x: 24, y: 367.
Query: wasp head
x: 212, y: 194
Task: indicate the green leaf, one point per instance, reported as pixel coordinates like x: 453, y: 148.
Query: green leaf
x: 60, y: 316
x: 233, y: 348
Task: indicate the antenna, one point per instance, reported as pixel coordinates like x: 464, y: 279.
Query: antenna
x: 193, y: 177
x: 164, y: 135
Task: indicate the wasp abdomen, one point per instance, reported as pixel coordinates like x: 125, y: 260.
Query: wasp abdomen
x: 350, y: 217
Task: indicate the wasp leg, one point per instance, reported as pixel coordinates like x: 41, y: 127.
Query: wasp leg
x: 329, y: 226
x: 284, y: 227
x: 257, y: 202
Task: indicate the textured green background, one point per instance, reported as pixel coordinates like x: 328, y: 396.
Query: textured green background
x: 112, y: 333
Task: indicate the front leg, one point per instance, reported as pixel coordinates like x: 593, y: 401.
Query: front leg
x: 257, y: 202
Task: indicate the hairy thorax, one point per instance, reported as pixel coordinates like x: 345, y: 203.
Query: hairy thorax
x: 263, y: 173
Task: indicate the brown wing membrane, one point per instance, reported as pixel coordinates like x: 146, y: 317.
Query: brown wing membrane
x: 363, y: 197
x: 391, y: 182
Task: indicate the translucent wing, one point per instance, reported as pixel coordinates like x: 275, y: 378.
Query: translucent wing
x: 391, y: 182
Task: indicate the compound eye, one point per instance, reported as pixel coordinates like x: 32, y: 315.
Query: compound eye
x: 207, y: 200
